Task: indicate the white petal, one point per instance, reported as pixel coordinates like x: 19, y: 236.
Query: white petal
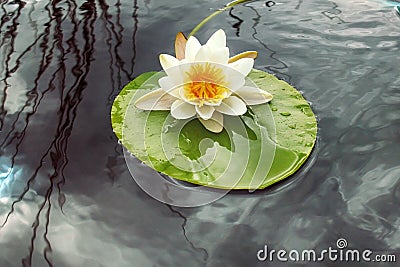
x: 192, y: 47
x: 168, y: 61
x: 185, y: 61
x: 155, y: 100
x: 217, y: 40
x: 215, y: 123
x: 232, y: 106
x: 182, y: 95
x: 182, y: 110
x: 243, y: 65
x: 220, y: 55
x: 253, y: 96
x: 174, y: 73
x: 205, y: 112
x: 169, y: 85
x: 236, y: 81
x: 214, y: 102
x: 204, y: 54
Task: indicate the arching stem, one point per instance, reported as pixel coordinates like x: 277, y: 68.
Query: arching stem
x: 204, y: 21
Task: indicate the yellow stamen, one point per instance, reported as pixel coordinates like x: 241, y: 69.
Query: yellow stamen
x: 205, y: 83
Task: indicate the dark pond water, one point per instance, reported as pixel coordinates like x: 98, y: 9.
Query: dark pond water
x: 67, y: 197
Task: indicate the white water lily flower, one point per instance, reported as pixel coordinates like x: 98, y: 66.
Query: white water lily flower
x: 202, y: 80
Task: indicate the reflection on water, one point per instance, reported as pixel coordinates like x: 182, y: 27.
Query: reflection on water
x: 66, y: 196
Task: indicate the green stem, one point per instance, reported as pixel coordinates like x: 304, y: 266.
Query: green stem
x: 204, y: 21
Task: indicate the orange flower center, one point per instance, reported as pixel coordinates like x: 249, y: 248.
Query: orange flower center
x: 205, y: 83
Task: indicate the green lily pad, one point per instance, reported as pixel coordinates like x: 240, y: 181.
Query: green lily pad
x: 267, y: 144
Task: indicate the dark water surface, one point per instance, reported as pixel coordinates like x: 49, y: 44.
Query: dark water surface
x: 66, y: 195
